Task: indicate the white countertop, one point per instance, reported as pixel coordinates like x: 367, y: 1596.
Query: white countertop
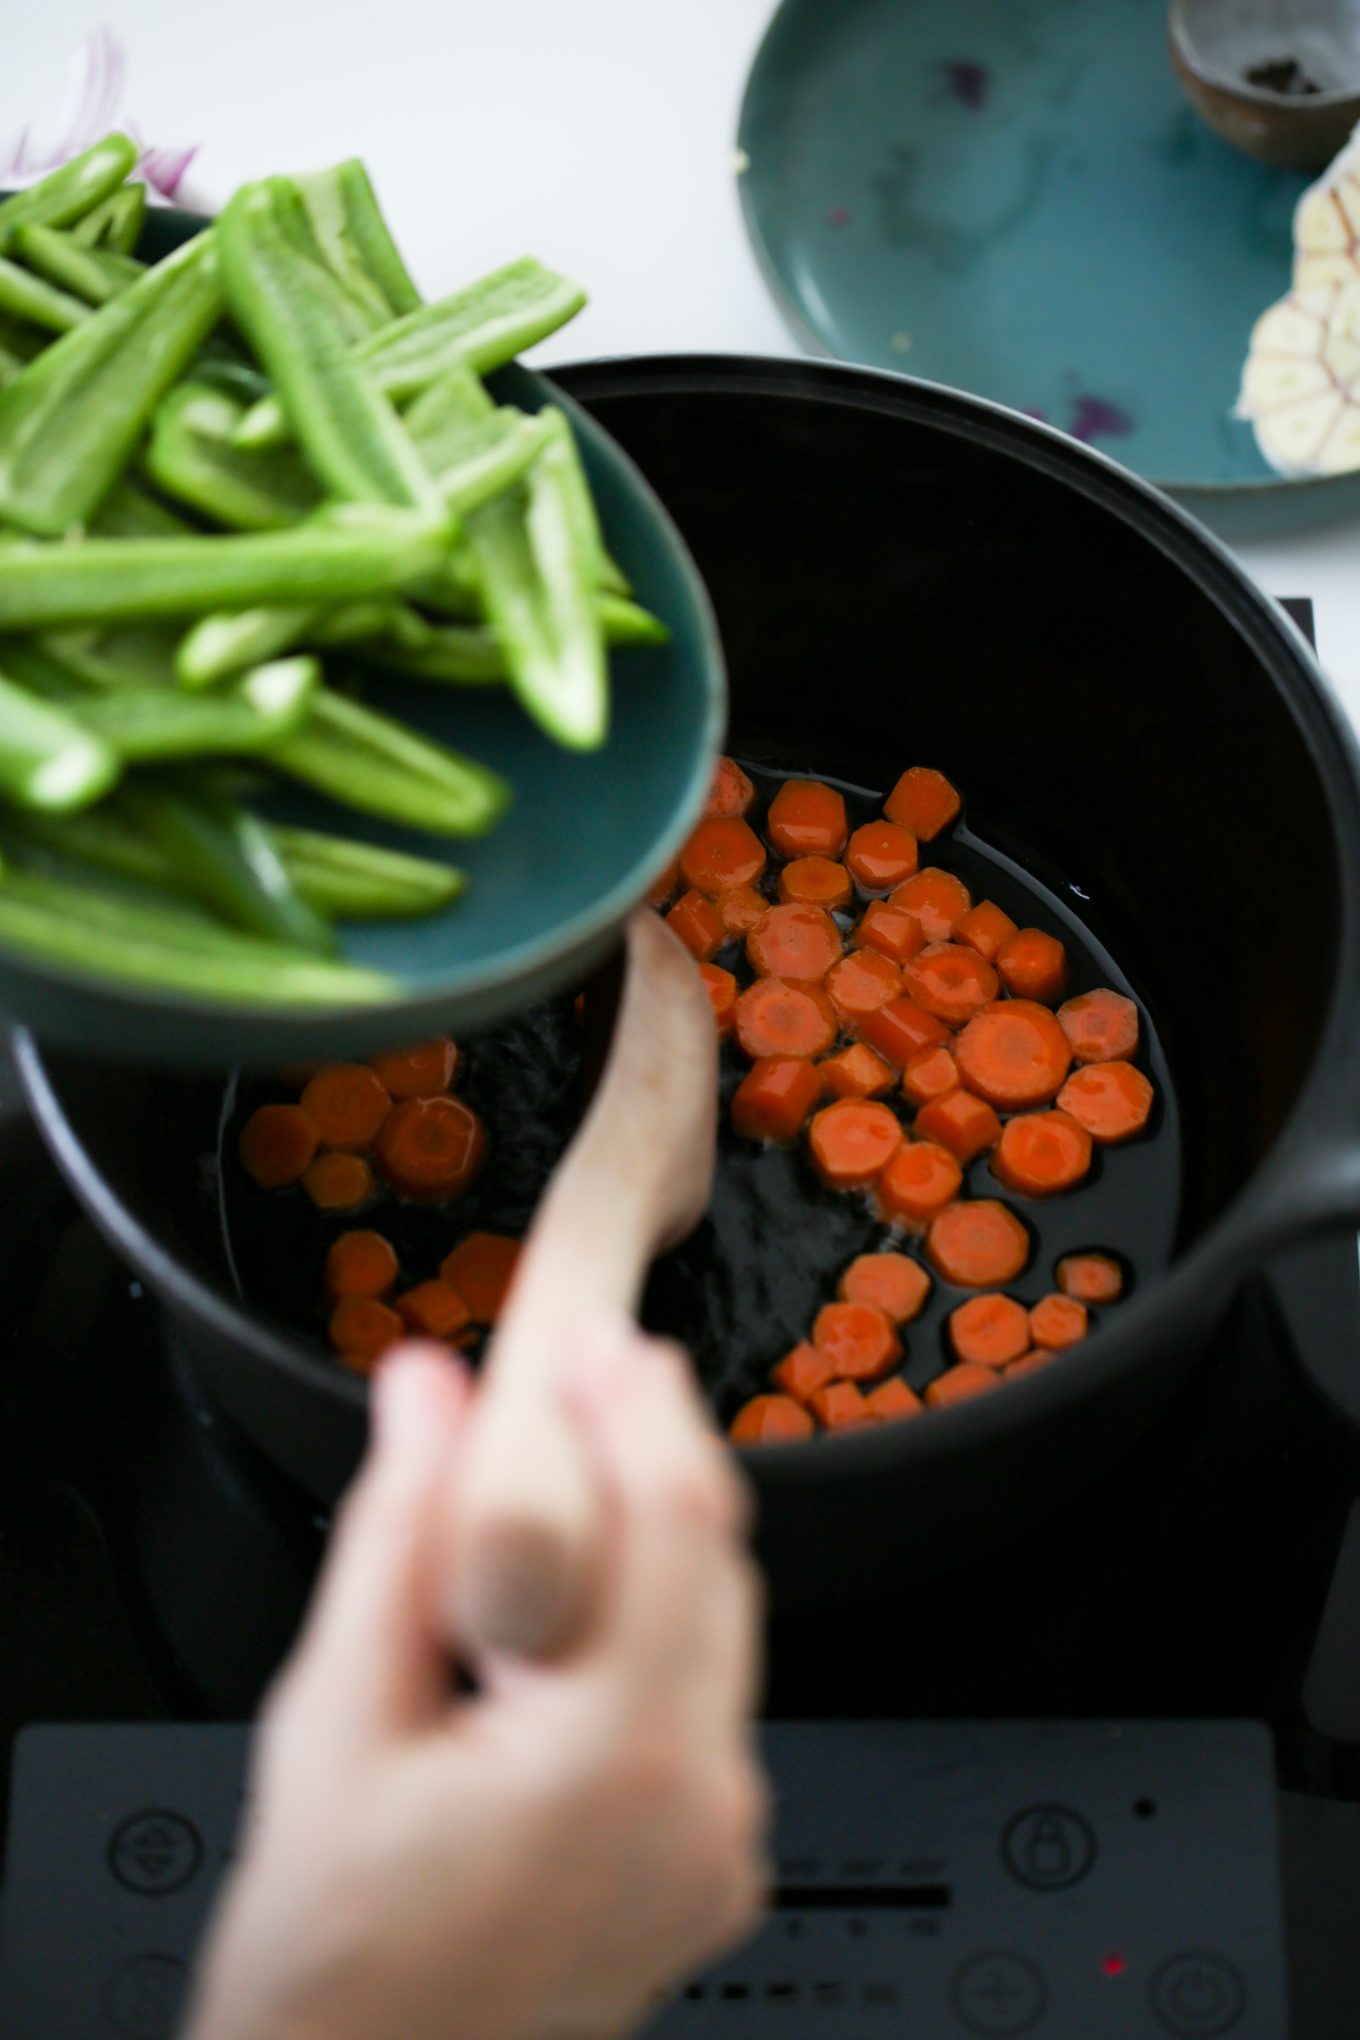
x: 597, y: 134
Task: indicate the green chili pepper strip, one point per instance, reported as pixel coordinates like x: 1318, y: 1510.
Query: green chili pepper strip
x: 364, y: 881
x: 115, y: 225
x: 349, y: 432
x: 628, y: 623
x: 322, y: 199
x: 191, y: 457
x: 129, y: 512
x: 229, y: 860
x: 341, y: 553
x: 481, y: 327
x: 99, y: 838
x: 367, y: 230
x: 69, y: 423
x: 225, y: 643
x: 87, y: 273
x: 47, y: 758
x: 379, y: 766
x: 104, y: 934
x: 153, y: 726
x: 24, y: 296
x: 70, y: 191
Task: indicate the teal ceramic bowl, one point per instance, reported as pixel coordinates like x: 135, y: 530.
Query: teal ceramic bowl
x: 548, y: 889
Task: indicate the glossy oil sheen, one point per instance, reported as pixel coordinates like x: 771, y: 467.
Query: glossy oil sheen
x: 1017, y: 200
x: 748, y: 1283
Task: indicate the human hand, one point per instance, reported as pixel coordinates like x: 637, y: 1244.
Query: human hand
x: 539, y: 1861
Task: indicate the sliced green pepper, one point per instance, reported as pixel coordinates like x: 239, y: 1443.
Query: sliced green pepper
x: 366, y: 232
x: 364, y: 881
x: 102, y: 933
x: 90, y: 274
x: 116, y: 224
x: 379, y: 766
x: 227, y: 857
x: 129, y: 512
x: 343, y: 552
x: 191, y: 456
x: 347, y: 429
x: 153, y: 726
x: 74, y: 189
x: 69, y: 423
x: 24, y: 296
x: 480, y: 327
x: 48, y: 759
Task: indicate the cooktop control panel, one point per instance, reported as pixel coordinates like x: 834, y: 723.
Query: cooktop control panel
x: 1073, y: 1881
x: 938, y: 1881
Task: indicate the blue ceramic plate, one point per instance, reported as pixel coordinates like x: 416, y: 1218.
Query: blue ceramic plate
x: 1012, y: 197
x: 549, y: 888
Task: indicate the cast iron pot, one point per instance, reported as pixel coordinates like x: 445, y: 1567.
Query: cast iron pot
x: 904, y: 573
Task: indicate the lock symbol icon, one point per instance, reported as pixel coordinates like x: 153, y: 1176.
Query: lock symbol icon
x: 1048, y: 1848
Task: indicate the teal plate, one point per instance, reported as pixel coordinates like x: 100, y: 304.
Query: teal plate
x: 1012, y: 197
x: 548, y: 889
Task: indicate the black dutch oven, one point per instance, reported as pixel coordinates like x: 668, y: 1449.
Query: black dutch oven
x: 905, y: 574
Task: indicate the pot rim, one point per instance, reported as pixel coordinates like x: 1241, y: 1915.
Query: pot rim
x: 1235, y: 1238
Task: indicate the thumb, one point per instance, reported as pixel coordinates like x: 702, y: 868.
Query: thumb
x: 368, y: 1666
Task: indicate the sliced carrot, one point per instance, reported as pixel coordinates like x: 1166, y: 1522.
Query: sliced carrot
x: 978, y: 1244
x: 961, y: 1384
x: 775, y: 1017
x: 862, y: 982
x: 360, y: 1264
x: 731, y: 792
x: 722, y: 990
x: 893, y: 933
x: 361, y: 1329
x: 1014, y: 1054
x: 1033, y: 965
x: 899, y: 1029
x: 816, y: 882
x: 807, y: 819
x: 857, y: 1072
x: 966, y: 1125
x: 741, y: 909
x: 346, y: 1103
x: 842, y: 1406
x: 989, y: 1331
x: 895, y: 1283
x: 803, y: 1371
x: 938, y: 900
x: 481, y: 1269
x: 1058, y: 1321
x: 433, y: 1311
x: 722, y: 852
x: 1112, y: 1100
x: 770, y: 1420
x: 859, y: 1340
x: 663, y: 885
x: 984, y: 928
x: 852, y: 1142
x: 419, y: 1071
x: 1042, y: 1153
x: 338, y: 1181
x: 923, y: 801
x: 276, y: 1145
x: 774, y: 1098
x: 695, y: 920
x: 881, y: 854
x: 795, y: 942
x: 1091, y: 1278
x: 930, y: 1073
x: 892, y: 1400
x: 1102, y: 1026
x: 919, y: 1181
x: 1028, y: 1363
x: 432, y: 1147
x: 950, y: 981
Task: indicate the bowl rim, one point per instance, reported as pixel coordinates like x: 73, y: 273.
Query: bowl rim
x: 1296, y: 108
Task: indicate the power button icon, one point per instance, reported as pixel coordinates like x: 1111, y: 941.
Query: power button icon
x: 1197, y: 1995
x: 1048, y: 1848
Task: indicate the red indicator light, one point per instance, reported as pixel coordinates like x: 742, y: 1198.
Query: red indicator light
x: 1113, y: 1965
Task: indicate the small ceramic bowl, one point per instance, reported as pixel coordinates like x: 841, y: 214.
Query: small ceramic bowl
x: 1279, y: 79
